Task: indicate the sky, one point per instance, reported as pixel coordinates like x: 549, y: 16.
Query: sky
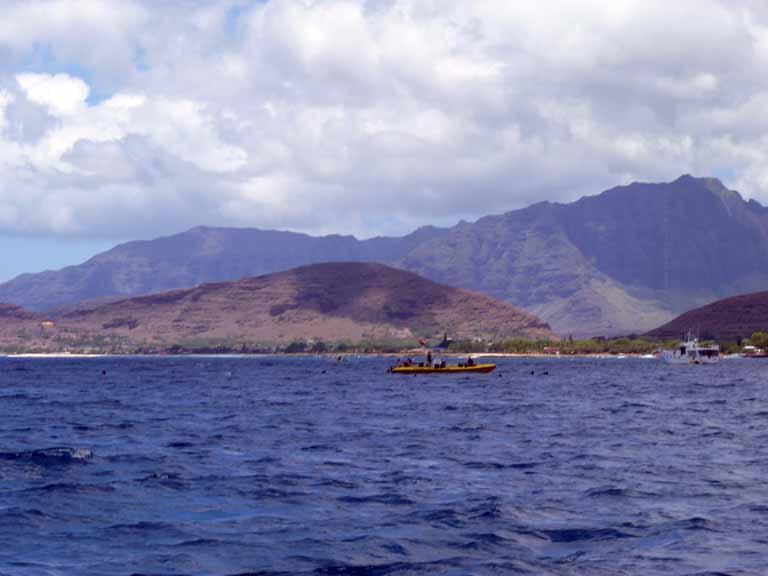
x: 128, y: 119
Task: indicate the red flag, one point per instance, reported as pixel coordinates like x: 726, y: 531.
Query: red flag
x: 422, y: 342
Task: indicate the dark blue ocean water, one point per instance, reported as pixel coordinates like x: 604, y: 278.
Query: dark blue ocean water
x: 302, y: 466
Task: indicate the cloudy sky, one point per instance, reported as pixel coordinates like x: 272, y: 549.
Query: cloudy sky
x: 124, y: 119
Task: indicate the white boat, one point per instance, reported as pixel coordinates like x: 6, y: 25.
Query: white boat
x: 691, y: 352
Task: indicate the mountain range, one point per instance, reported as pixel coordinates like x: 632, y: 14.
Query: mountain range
x: 331, y: 302
x: 626, y: 260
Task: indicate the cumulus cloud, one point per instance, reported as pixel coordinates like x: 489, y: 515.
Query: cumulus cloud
x: 133, y: 118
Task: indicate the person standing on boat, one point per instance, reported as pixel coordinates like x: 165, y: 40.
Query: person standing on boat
x: 429, y: 358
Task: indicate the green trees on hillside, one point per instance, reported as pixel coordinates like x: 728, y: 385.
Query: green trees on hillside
x: 759, y: 340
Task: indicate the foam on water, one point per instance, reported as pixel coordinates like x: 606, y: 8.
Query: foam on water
x: 50, y: 456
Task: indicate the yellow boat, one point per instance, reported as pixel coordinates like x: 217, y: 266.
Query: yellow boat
x: 481, y: 368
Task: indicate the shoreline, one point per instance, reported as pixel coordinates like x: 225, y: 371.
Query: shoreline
x: 54, y: 355
x: 405, y: 354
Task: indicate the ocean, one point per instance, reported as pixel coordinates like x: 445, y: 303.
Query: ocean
x: 277, y: 466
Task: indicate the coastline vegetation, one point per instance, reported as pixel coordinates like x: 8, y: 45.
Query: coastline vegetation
x: 631, y: 345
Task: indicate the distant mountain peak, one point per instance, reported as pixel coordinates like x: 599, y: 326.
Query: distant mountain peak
x: 685, y: 178
x: 714, y: 185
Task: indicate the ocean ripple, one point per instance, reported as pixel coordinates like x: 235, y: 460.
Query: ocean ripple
x: 278, y: 466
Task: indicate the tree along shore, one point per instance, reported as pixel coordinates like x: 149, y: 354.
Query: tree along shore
x: 566, y: 347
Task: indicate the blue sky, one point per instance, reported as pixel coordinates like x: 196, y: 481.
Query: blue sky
x: 21, y: 254
x: 125, y: 119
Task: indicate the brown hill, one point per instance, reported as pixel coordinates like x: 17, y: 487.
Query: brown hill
x: 18, y: 324
x: 329, y: 302
x: 10, y: 313
x: 728, y: 319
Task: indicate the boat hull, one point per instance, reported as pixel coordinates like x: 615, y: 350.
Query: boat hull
x: 691, y: 352
x: 480, y: 368
x: 670, y: 358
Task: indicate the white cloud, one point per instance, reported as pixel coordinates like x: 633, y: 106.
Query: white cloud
x: 141, y: 118
x: 61, y: 94
x: 180, y: 127
x: 5, y: 99
x: 98, y: 34
x: 697, y: 86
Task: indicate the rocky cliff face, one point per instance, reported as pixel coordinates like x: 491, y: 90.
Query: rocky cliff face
x: 690, y: 234
x: 623, y: 261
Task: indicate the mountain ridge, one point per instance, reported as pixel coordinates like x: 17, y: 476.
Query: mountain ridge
x: 622, y: 261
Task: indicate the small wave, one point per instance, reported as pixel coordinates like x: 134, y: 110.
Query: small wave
x: 486, y: 465
x: 436, y: 567
x: 130, y: 458
x: 389, y: 499
x: 50, y: 456
x: 19, y: 517
x: 523, y: 465
x: 20, y: 396
x: 606, y: 491
x: 491, y: 509
x: 82, y: 427
x: 165, y: 479
x: 337, y: 463
x: 579, y: 534
x: 270, y: 494
x: 335, y: 483
x: 72, y: 487
x: 264, y: 460
x: 446, y: 517
x: 198, y: 542
x: 485, y: 538
x: 317, y: 448
x: 180, y: 444
x: 143, y: 526
x: 395, y: 548
x: 467, y: 428
x: 696, y: 523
